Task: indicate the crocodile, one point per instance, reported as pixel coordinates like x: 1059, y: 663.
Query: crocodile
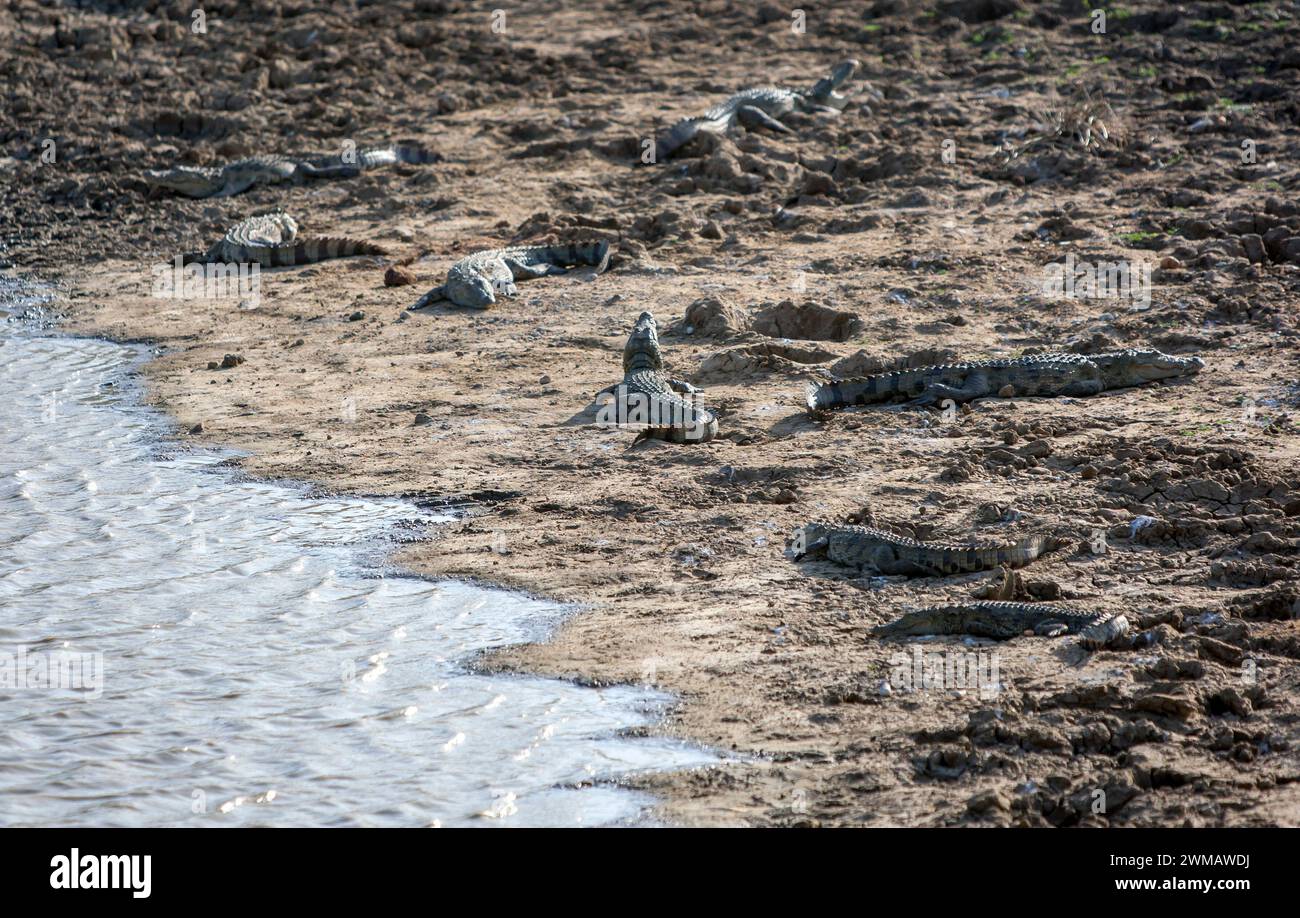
x: 760, y: 107
x: 477, y: 279
x: 1046, y: 375
x: 1003, y: 620
x: 889, y: 554
x: 649, y: 398
x: 242, y: 174
x: 271, y: 239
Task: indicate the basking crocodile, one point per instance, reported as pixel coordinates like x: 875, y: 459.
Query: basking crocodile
x: 886, y: 553
x: 1003, y: 620
x: 232, y: 178
x: 271, y: 239
x: 648, y: 398
x: 760, y: 107
x: 475, y: 280
x: 1040, y: 375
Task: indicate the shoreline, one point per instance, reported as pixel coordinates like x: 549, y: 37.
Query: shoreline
x: 771, y: 262
x: 375, y: 555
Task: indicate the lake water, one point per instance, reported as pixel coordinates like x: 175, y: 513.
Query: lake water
x: 183, y: 646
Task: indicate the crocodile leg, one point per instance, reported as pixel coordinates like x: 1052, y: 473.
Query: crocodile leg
x: 437, y: 293
x: 235, y: 186
x: 522, y: 271
x: 682, y: 387
x: 329, y: 170
x: 1051, y: 629
x: 752, y: 117
x: 977, y: 386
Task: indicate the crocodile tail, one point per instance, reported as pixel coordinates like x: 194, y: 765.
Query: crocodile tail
x: 415, y: 154
x: 322, y: 248
x: 862, y: 390
x: 583, y: 253
x: 400, y: 153
x: 680, y: 134
x: 1099, y: 635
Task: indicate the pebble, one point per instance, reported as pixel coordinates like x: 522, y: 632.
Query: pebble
x: 398, y: 276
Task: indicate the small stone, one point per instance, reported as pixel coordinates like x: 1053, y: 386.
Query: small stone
x: 988, y: 801
x: 1170, y: 263
x: 422, y: 419
x: 398, y: 276
x: 1253, y: 244
x: 544, y: 381
x: 197, y: 428
x: 1006, y: 392
x: 230, y: 361
x: 356, y: 316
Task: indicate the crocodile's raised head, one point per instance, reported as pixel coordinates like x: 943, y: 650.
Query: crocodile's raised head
x: 1135, y: 366
x: 824, y: 91
x: 193, y: 181
x: 478, y: 292
x: 642, y: 350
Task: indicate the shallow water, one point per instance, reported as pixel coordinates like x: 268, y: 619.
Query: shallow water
x: 256, y: 664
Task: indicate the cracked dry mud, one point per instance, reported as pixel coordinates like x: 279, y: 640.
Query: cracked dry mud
x: 770, y: 261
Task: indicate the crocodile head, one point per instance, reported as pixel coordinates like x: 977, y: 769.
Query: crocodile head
x: 1135, y: 366
x: 194, y: 181
x: 642, y: 350
x: 824, y: 90
x: 809, y: 541
x: 476, y: 291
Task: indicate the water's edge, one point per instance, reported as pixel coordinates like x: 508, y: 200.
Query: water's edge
x: 634, y: 709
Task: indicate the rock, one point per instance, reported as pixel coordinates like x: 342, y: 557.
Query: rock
x: 1006, y: 391
x: 230, y: 361
x: 807, y: 321
x: 422, y: 420
x: 1253, y: 245
x: 197, y: 428
x: 1170, y: 263
x: 988, y: 801
x: 356, y: 316
x: 399, y: 276
x: 713, y: 317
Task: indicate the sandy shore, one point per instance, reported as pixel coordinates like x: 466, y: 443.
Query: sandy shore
x: 770, y: 261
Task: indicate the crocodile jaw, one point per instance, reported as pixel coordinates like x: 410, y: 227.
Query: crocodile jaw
x: 196, y: 183
x: 473, y: 292
x: 824, y: 92
x: 1134, y: 367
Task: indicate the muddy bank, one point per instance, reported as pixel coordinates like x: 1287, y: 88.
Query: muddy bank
x: 918, y: 225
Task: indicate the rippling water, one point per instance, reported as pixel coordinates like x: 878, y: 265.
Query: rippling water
x: 229, y: 655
